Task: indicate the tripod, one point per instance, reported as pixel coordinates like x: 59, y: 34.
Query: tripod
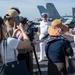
x: 36, y: 59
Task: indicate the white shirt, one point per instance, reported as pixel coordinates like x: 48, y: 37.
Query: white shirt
x: 12, y: 44
x: 44, y: 27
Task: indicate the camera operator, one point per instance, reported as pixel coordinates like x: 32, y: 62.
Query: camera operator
x: 23, y: 54
x: 30, y: 29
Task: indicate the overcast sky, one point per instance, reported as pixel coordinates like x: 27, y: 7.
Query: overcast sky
x: 29, y: 9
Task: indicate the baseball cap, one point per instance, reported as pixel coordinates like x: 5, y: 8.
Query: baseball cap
x: 44, y: 14
x: 11, y: 13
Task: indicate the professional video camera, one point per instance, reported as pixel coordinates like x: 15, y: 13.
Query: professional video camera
x: 32, y: 29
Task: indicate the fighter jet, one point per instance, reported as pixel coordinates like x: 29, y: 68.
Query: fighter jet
x: 53, y: 14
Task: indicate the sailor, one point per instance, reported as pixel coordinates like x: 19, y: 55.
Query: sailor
x: 44, y: 24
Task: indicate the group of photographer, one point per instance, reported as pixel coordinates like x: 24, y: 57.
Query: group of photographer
x: 15, y: 44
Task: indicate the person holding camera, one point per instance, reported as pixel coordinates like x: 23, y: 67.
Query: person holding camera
x: 23, y: 54
x: 9, y: 19
x: 9, y: 48
x: 23, y: 20
x: 44, y: 24
x: 19, y: 35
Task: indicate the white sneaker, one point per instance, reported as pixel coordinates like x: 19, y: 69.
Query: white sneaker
x: 40, y: 60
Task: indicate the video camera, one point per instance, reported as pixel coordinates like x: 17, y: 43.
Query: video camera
x: 20, y: 19
x: 32, y: 29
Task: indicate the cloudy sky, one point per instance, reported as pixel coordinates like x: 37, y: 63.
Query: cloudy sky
x: 29, y: 9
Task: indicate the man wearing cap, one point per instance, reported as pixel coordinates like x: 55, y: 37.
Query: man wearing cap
x: 44, y: 24
x: 9, y: 20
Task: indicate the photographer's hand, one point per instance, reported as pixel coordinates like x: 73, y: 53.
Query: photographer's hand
x: 25, y: 38
x: 15, y: 29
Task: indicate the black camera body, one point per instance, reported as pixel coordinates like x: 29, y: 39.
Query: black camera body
x: 32, y: 30
x: 31, y: 27
x: 20, y: 19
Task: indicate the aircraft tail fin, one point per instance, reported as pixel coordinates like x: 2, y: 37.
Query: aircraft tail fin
x: 73, y: 10
x: 42, y: 9
x: 52, y: 11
